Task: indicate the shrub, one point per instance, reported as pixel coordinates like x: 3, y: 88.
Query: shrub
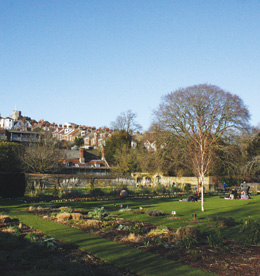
x: 160, y: 189
x: 54, y: 214
x: 62, y: 217
x: 187, y: 232
x: 215, y: 239
x: 158, y: 231
x: 98, y: 213
x: 4, y: 218
x: 154, y: 213
x: 96, y: 192
x: 136, y: 228
x: 77, y: 216
x: 222, y: 221
x: 122, y: 227
x: 66, y: 210
x: 31, y: 209
x: 251, y: 232
x: 125, y: 209
x: 91, y: 224
x: 15, y: 229
x: 187, y: 187
x: 31, y: 237
x: 12, y: 185
x: 48, y: 242
x: 132, y: 238
x: 189, y: 242
x: 140, y: 211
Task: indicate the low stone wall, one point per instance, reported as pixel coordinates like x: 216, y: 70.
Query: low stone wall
x: 72, y: 180
x: 210, y: 183
x: 254, y: 187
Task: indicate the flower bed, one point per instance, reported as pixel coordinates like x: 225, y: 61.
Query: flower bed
x: 208, y: 252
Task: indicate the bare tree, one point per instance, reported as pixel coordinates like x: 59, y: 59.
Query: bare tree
x: 200, y: 116
x: 126, y: 121
x: 42, y: 157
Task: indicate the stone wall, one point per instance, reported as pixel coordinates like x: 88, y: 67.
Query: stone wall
x: 210, y: 183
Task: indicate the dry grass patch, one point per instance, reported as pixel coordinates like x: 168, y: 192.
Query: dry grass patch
x: 62, y: 217
x: 77, y: 216
x: 132, y: 238
x: 91, y: 224
x: 4, y: 219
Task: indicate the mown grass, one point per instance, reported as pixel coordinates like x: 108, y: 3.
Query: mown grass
x: 143, y: 263
x: 129, y: 258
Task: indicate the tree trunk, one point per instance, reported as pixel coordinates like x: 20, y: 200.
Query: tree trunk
x: 202, y: 192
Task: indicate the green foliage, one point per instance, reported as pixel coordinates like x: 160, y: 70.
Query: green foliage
x: 16, y: 230
x: 187, y: 187
x: 79, y: 141
x: 215, y: 238
x: 31, y: 237
x: 55, y: 191
x: 96, y: 192
x: 98, y: 213
x: 136, y: 228
x: 66, y: 210
x: 251, y: 231
x: 10, y: 157
x: 48, y: 242
x: 231, y: 180
x: 154, y: 213
x: 222, y: 221
x: 117, y: 141
x: 54, y: 214
x: 189, y: 242
x: 159, y: 230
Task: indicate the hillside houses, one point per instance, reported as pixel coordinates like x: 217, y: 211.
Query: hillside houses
x: 92, y: 138
x: 67, y: 132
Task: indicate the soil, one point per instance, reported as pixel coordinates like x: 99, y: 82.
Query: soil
x: 230, y: 259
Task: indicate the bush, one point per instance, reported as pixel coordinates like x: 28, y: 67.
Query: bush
x: 10, y: 157
x: 66, y: 210
x: 222, y: 221
x: 12, y: 185
x: 251, y: 232
x: 158, y: 231
x: 189, y: 242
x: 160, y: 189
x: 31, y: 237
x: 62, y: 217
x: 98, y: 213
x: 187, y: 187
x: 96, y: 192
x: 154, y: 213
x: 187, y: 232
x: 136, y: 228
x: 215, y: 239
x: 91, y: 224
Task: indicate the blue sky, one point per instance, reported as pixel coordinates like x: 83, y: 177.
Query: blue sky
x: 88, y: 61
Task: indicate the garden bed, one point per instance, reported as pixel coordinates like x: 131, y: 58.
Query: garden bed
x: 25, y: 251
x: 223, y: 257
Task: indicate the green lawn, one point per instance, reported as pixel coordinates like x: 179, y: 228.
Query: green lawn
x: 129, y: 258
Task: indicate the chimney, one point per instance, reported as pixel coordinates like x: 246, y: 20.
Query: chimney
x: 82, y: 158
x: 102, y: 153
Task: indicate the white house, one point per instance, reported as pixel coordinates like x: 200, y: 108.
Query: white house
x: 6, y: 122
x: 22, y: 124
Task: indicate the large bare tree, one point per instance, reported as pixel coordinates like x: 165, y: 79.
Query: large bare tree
x: 126, y: 121
x: 199, y: 116
x: 42, y: 157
